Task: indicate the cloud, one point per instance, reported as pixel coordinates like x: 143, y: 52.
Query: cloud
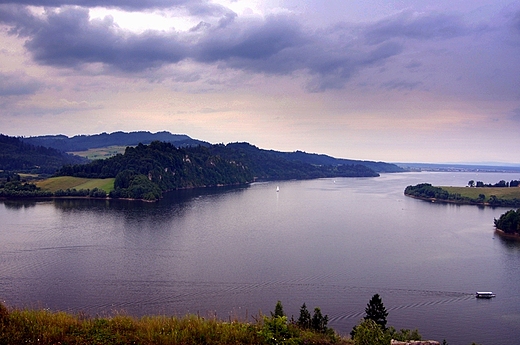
x: 401, y: 85
x: 251, y: 40
x: 17, y: 84
x: 417, y: 26
x: 122, y: 4
x: 276, y: 45
x: 69, y: 39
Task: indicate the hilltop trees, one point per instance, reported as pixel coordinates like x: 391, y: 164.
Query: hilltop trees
x: 509, y: 222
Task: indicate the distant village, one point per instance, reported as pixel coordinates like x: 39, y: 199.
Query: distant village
x: 459, y: 168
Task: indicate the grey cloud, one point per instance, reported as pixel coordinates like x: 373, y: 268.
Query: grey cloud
x: 401, y: 85
x: 227, y: 19
x: 17, y: 84
x: 123, y: 4
x: 334, y: 73
x: 249, y: 41
x: 274, y: 45
x: 69, y: 39
x: 200, y: 26
x: 412, y: 65
x: 421, y: 27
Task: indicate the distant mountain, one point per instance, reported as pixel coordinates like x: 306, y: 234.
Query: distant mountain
x: 85, y: 142
x: 19, y: 156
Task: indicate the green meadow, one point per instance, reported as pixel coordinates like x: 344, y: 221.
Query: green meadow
x: 68, y: 182
x: 474, y: 192
x: 101, y: 153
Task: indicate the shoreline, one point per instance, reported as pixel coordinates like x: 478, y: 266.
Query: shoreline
x: 501, y: 233
x: 458, y: 202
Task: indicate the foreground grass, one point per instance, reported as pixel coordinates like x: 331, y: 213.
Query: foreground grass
x: 68, y: 182
x: 474, y: 192
x: 45, y: 327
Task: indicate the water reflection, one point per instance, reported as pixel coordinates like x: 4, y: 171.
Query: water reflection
x: 17, y: 204
x: 510, y: 244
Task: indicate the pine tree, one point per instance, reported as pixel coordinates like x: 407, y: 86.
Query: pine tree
x: 304, y: 321
x: 376, y: 311
x: 278, y: 310
x: 319, y: 322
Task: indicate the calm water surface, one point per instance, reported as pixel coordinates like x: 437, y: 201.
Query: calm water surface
x: 331, y: 243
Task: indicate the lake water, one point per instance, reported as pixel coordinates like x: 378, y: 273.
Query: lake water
x: 233, y: 252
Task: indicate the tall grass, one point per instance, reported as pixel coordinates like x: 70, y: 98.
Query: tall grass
x: 46, y: 327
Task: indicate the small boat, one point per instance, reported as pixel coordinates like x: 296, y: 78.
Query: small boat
x: 484, y: 294
x: 277, y: 189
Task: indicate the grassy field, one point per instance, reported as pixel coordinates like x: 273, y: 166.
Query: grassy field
x: 473, y: 192
x: 100, y: 153
x: 65, y: 182
x: 46, y: 328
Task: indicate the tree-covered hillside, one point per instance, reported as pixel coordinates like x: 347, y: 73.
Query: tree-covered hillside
x: 145, y: 171
x: 103, y: 140
x: 15, y: 155
x: 320, y: 159
x: 273, y: 165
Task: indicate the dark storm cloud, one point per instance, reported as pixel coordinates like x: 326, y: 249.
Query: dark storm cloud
x: 274, y: 45
x: 420, y: 27
x: 18, y: 83
x: 261, y: 40
x: 70, y: 39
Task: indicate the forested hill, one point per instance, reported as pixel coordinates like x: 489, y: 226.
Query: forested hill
x: 145, y: 171
x: 321, y: 159
x: 85, y: 142
x: 274, y: 165
x: 16, y: 155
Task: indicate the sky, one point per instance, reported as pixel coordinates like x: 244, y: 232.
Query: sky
x: 386, y: 80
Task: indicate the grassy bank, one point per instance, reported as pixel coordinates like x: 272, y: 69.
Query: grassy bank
x: 474, y: 192
x: 487, y: 196
x: 45, y: 327
x: 68, y: 182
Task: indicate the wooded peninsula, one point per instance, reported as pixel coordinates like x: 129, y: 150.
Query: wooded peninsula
x: 146, y: 171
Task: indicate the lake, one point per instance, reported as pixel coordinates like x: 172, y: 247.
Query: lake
x: 234, y: 252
